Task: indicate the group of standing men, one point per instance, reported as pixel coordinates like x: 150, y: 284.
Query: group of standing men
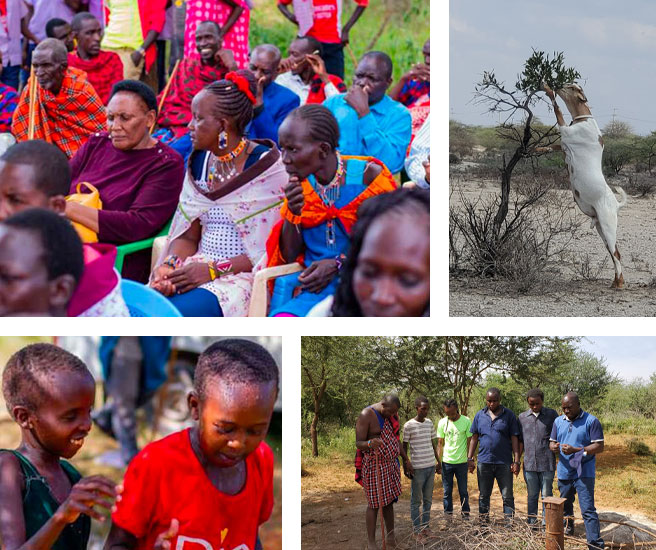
x: 501, y: 437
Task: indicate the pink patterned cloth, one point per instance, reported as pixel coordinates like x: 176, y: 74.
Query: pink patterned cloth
x: 215, y: 10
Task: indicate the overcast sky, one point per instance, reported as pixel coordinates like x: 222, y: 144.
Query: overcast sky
x: 628, y: 356
x: 612, y: 44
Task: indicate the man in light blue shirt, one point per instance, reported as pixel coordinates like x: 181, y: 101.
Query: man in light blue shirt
x: 371, y: 123
x: 577, y: 437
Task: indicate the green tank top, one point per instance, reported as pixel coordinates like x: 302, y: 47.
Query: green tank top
x: 39, y: 506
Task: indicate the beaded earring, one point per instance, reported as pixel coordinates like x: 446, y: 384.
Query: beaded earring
x: 223, y: 139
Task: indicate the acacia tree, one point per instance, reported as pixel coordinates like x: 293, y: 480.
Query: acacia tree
x: 516, y: 105
x: 330, y: 367
x: 453, y: 366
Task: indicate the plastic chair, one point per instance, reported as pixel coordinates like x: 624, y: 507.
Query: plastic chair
x: 123, y: 250
x: 286, y: 281
x: 143, y: 301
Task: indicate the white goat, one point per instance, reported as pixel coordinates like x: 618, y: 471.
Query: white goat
x: 583, y: 146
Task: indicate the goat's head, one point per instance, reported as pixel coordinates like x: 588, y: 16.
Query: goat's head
x: 572, y: 93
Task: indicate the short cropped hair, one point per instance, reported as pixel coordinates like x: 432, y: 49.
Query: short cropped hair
x: 448, y: 403
x: 52, y: 24
x: 26, y: 375
x: 383, y: 58
x: 313, y: 44
x: 62, y: 247
x: 494, y: 391
x: 421, y: 399
x: 144, y: 91
x: 56, y: 48
x: 52, y: 173
x: 393, y: 399
x: 535, y: 392
x: 216, y: 26
x: 80, y: 18
x: 236, y: 361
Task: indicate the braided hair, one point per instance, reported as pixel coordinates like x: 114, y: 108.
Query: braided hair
x: 231, y: 102
x: 321, y: 123
x: 346, y: 303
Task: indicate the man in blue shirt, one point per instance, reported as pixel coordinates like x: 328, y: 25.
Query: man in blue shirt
x: 496, y: 429
x: 371, y: 123
x: 577, y: 437
x: 273, y: 102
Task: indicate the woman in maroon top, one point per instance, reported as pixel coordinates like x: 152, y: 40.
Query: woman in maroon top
x: 139, y: 178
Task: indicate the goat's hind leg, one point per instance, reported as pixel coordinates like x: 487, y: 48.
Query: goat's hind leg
x: 607, y: 228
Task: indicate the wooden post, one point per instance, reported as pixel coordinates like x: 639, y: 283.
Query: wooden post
x: 555, y: 538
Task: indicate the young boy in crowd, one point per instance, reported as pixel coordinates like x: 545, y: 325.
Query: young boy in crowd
x: 41, y: 263
x: 209, y: 486
x: 419, y: 433
x: 45, y: 504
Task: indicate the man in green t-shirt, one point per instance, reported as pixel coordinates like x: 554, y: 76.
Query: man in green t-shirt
x: 453, y: 435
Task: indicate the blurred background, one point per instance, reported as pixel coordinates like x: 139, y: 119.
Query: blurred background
x: 160, y: 413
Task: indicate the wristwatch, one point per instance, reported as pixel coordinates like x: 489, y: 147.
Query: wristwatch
x: 585, y: 453
x: 470, y: 460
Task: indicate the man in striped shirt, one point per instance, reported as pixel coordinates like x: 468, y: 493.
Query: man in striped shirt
x: 419, y: 433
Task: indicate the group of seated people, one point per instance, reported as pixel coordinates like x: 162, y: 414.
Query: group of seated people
x: 249, y: 169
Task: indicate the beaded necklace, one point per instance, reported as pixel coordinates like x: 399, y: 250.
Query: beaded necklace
x: 222, y: 168
x: 329, y: 194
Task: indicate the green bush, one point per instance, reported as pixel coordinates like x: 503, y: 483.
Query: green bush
x: 638, y: 447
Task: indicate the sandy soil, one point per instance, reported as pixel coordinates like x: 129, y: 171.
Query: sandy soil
x: 566, y: 291
x: 333, y: 506
x: 336, y: 521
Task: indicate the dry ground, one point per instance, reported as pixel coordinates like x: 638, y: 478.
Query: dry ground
x: 333, y: 506
x: 97, y: 443
x: 566, y: 292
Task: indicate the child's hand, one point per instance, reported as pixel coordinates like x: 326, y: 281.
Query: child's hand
x: 85, y: 495
x: 163, y: 541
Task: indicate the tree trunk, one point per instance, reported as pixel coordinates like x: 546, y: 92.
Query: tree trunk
x: 313, y: 430
x: 317, y: 396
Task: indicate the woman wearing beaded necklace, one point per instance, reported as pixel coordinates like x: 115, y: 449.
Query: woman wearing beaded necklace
x: 324, y: 192
x: 219, y: 231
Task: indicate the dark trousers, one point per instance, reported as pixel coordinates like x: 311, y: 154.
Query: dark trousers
x: 10, y: 76
x: 333, y: 58
x: 460, y: 473
x: 584, y: 488
x: 487, y: 473
x: 119, y: 414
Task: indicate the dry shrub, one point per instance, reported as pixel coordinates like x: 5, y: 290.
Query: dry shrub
x: 585, y: 269
x: 455, y: 533
x: 538, y: 229
x: 640, y: 184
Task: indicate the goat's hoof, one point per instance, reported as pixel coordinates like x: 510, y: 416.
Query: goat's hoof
x: 618, y: 284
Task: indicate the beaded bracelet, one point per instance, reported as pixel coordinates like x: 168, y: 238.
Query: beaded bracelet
x: 287, y: 214
x: 217, y: 269
x: 173, y: 261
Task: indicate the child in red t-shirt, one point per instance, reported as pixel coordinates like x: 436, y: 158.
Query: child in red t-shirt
x: 209, y: 487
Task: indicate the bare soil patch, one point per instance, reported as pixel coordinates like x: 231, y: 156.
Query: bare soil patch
x: 578, y: 283
x: 333, y: 505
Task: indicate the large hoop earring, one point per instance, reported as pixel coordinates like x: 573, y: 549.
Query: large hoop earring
x: 223, y: 139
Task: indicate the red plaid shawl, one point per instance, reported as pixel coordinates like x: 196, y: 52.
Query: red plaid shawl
x: 396, y: 426
x: 379, y: 472
x: 190, y: 78
x: 67, y: 119
x: 103, y: 71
